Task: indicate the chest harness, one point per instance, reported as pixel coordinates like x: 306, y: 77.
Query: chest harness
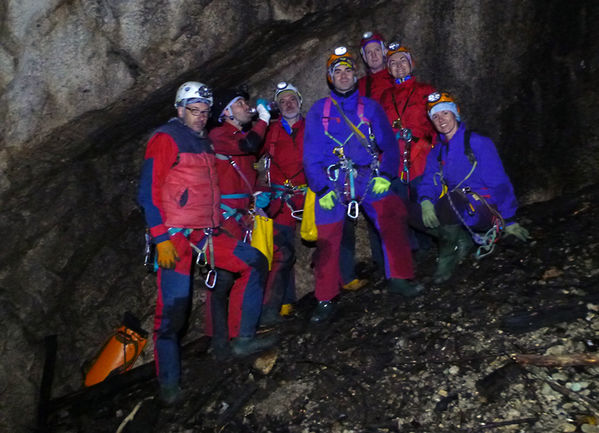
x: 345, y: 164
x: 288, y: 190
x: 404, y: 134
x: 487, y: 240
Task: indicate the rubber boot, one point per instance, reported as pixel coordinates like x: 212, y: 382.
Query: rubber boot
x: 454, y: 245
x: 245, y: 346
x: 270, y: 317
x: 219, y: 309
x: 409, y: 289
x: 170, y: 395
x: 323, y: 312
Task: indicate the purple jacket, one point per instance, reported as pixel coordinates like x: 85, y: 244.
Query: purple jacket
x: 318, y: 147
x: 489, y: 179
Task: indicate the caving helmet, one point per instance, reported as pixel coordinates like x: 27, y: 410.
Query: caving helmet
x: 368, y: 37
x: 192, y: 92
x: 283, y: 87
x: 396, y: 47
x: 340, y: 56
x: 223, y: 99
x: 442, y: 101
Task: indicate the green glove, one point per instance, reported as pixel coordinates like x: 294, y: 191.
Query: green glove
x: 381, y: 185
x: 167, y: 255
x: 327, y: 201
x: 429, y: 217
x: 518, y: 231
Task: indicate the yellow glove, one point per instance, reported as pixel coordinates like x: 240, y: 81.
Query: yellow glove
x: 327, y: 201
x: 518, y: 231
x: 381, y: 185
x: 167, y: 255
x: 429, y: 217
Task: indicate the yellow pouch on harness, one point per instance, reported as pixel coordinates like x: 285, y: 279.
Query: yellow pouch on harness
x: 262, y: 237
x: 308, y: 229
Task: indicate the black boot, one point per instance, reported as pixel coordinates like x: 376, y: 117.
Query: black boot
x: 409, y: 289
x: 245, y: 346
x: 323, y: 312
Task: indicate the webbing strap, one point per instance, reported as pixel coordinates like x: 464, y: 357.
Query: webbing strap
x: 223, y: 157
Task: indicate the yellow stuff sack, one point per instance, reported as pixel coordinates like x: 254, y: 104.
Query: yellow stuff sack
x: 308, y: 229
x: 262, y: 237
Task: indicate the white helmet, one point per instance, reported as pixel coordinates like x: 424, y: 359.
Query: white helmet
x: 191, y: 92
x: 287, y: 87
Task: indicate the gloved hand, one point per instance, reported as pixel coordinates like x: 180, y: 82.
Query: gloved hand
x: 518, y: 231
x: 327, y: 201
x: 263, y: 113
x: 381, y: 185
x: 429, y: 217
x: 262, y: 199
x: 167, y: 255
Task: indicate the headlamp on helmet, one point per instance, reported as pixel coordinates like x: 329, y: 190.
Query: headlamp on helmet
x: 340, y: 56
x: 368, y: 37
x: 284, y: 86
x: 442, y: 101
x: 192, y: 92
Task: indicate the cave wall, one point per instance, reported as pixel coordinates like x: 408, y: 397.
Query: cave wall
x: 83, y: 83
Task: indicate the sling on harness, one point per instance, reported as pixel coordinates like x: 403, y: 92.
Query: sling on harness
x: 487, y: 241
x: 228, y: 211
x: 345, y: 164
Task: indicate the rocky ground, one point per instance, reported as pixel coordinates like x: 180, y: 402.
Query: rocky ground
x: 444, y: 362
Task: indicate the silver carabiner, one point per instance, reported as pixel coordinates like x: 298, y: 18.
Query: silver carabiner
x: 353, y: 209
x: 202, y: 260
x: 210, y: 280
x: 297, y: 214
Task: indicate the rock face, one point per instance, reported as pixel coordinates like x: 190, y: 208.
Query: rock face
x: 82, y: 84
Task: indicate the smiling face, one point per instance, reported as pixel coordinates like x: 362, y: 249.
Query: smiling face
x: 343, y: 78
x: 194, y: 115
x: 373, y: 55
x: 399, y: 65
x: 445, y: 122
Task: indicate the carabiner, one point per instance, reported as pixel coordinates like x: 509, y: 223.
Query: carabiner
x: 333, y: 178
x: 353, y: 208
x: 297, y: 214
x: 210, y: 280
x: 202, y: 259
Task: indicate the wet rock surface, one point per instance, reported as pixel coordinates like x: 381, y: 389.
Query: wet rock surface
x: 443, y: 362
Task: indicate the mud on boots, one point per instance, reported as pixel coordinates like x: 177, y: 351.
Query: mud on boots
x: 246, y: 346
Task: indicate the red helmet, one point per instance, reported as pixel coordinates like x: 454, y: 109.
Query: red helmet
x: 368, y: 37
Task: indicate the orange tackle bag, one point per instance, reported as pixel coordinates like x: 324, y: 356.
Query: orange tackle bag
x: 119, y: 353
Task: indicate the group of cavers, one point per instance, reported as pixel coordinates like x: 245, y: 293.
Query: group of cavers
x: 386, y: 145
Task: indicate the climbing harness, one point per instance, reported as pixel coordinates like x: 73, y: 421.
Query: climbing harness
x: 487, y: 240
x: 345, y: 164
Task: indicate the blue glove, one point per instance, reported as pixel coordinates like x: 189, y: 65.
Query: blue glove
x: 262, y: 199
x: 381, y: 185
x: 327, y: 201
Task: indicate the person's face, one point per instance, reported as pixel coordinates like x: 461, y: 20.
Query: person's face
x: 445, y: 122
x: 343, y: 78
x: 399, y: 65
x: 195, y: 115
x: 240, y: 110
x: 289, y: 105
x: 374, y: 56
